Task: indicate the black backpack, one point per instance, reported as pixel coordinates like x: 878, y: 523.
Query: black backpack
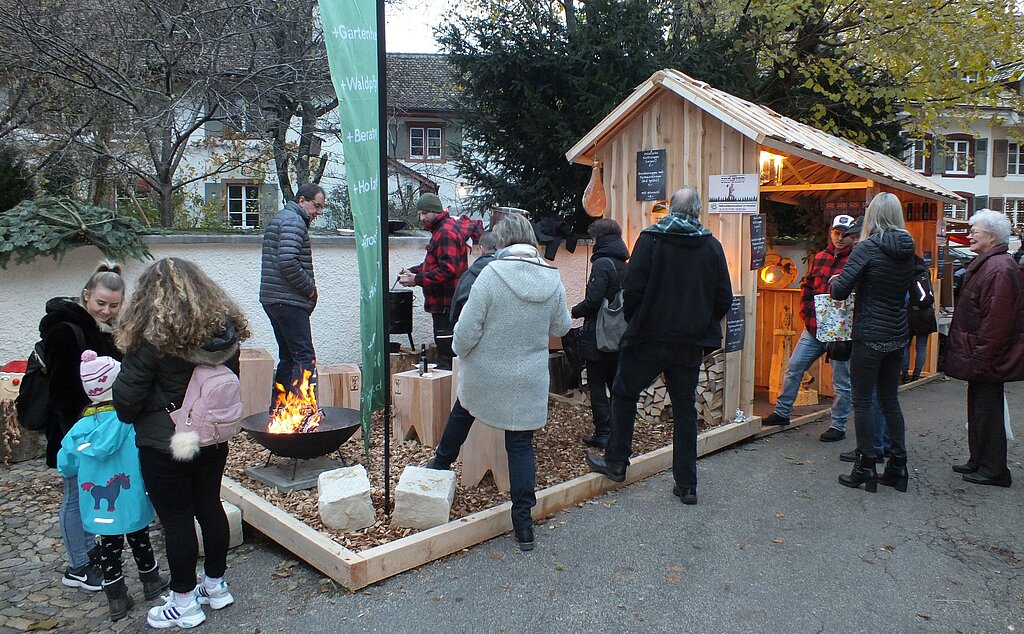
x: 33, y: 402
x: 921, y: 291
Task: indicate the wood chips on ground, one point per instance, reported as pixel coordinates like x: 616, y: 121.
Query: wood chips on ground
x: 558, y: 448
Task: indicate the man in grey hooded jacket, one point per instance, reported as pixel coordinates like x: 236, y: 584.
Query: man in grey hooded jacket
x: 287, y: 286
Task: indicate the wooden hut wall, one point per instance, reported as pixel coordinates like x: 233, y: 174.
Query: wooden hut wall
x: 697, y: 146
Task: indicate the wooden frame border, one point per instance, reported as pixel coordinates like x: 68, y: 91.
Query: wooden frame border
x: 357, y: 570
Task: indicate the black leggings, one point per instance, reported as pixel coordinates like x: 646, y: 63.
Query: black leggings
x: 111, y: 547
x: 181, y: 491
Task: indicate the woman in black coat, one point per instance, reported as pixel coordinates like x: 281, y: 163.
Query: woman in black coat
x: 179, y: 318
x: 609, y: 264
x: 71, y: 326
x: 880, y: 270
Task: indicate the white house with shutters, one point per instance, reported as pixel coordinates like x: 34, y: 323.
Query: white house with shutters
x: 984, y: 163
x: 423, y: 127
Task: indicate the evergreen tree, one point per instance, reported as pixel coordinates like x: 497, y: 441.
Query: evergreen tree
x: 15, y: 182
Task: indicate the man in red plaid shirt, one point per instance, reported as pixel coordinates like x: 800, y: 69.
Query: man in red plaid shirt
x: 826, y: 264
x: 446, y: 261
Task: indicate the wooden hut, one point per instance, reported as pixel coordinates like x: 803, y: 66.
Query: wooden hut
x: 692, y: 132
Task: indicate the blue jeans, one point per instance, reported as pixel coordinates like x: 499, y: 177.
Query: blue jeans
x: 522, y: 468
x: 920, y: 348
x: 639, y: 365
x: 808, y: 350
x: 77, y: 541
x: 874, y: 371
x: 294, y: 346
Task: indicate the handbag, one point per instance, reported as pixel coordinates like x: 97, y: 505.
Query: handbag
x: 839, y: 350
x: 611, y: 321
x: 835, y: 318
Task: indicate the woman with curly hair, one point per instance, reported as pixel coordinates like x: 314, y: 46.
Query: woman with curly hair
x: 179, y: 318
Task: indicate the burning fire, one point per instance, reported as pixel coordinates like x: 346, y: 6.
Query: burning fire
x: 295, y: 412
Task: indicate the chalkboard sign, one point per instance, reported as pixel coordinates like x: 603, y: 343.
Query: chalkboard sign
x: 650, y: 175
x: 758, y: 246
x: 942, y: 259
x: 734, y: 325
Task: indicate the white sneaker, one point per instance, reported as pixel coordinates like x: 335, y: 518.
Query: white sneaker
x: 170, y: 614
x: 219, y: 597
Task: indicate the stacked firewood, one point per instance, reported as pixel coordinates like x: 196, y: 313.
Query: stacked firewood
x: 655, y: 405
x: 711, y: 390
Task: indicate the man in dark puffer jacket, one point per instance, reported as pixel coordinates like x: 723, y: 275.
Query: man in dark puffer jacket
x: 287, y: 286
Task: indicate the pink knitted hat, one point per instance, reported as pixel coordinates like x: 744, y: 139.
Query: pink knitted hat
x: 98, y: 374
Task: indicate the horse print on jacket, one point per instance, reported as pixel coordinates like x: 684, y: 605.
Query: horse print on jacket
x: 109, y: 492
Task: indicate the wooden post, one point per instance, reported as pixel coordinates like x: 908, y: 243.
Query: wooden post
x: 339, y: 385
x: 483, y: 451
x: 421, y: 405
x: 256, y: 375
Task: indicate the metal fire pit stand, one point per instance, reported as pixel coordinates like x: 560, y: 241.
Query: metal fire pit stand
x: 300, y: 476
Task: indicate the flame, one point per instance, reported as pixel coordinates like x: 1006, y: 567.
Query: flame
x: 295, y: 411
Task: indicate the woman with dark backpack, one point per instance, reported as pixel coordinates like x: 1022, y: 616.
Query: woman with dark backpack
x: 179, y: 318
x: 71, y: 326
x: 609, y: 267
x: 920, y: 320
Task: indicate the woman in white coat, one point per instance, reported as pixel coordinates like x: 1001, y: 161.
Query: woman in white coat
x: 516, y: 304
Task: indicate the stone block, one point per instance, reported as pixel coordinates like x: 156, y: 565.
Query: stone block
x: 234, y: 527
x: 345, y: 503
x: 423, y: 498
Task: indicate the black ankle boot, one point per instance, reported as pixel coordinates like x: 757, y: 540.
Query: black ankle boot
x: 863, y: 473
x: 599, y: 440
x: 895, y: 474
x: 153, y: 584
x: 118, y: 599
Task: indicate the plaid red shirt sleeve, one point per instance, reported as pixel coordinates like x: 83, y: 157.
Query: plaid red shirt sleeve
x: 446, y: 261
x: 824, y: 265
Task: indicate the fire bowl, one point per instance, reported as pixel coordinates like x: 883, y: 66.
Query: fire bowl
x: 338, y: 425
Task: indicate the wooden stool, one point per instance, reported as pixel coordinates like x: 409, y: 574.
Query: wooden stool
x: 421, y: 404
x: 256, y: 375
x: 340, y: 385
x: 483, y: 451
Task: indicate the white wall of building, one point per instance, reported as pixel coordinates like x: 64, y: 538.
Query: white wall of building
x: 234, y: 261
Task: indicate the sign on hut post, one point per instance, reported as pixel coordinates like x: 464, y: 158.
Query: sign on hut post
x: 758, y: 242
x: 735, y: 325
x: 733, y: 193
x: 650, y: 175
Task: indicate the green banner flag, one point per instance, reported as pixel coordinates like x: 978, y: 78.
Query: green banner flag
x: 350, y: 31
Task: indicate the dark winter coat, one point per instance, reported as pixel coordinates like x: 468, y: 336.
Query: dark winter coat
x: 465, y: 284
x: 986, y: 336
x: 921, y: 315
x: 151, y: 383
x: 880, y: 270
x: 606, y: 277
x: 63, y: 361
x: 677, y: 291
x: 287, y: 265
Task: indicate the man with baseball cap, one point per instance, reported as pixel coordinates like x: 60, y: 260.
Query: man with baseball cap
x: 827, y: 263
x: 445, y: 262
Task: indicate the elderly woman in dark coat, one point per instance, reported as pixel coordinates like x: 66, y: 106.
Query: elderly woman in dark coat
x: 880, y: 270
x: 986, y: 345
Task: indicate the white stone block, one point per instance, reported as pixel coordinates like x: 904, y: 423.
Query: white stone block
x: 423, y: 498
x: 345, y: 503
x: 234, y: 527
